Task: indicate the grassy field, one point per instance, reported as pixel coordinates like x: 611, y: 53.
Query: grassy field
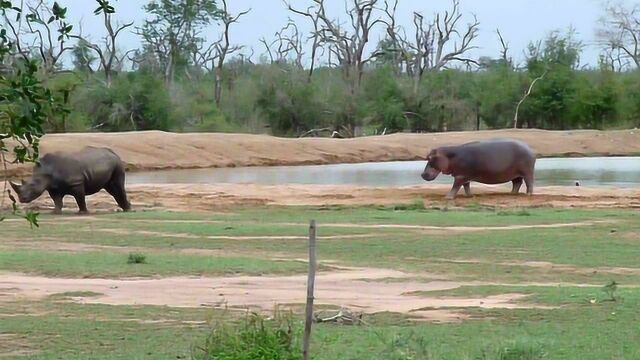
x: 561, y: 261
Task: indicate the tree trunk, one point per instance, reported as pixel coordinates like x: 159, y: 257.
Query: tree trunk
x: 218, y: 86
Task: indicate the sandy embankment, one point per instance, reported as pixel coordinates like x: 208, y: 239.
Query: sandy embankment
x: 159, y: 150
x: 152, y: 150
x: 220, y: 197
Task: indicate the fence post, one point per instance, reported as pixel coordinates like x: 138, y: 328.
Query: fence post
x: 310, y: 285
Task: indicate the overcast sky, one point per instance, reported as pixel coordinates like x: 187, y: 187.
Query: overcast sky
x: 520, y: 21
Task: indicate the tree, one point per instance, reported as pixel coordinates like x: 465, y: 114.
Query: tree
x: 83, y: 57
x: 108, y: 55
x: 556, y: 60
x: 312, y: 14
x: 42, y: 33
x: 25, y: 102
x: 223, y: 48
x: 621, y: 32
x: 173, y: 31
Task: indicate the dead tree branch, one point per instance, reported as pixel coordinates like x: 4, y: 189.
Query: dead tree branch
x: 621, y: 31
x: 223, y: 48
x: 526, y: 95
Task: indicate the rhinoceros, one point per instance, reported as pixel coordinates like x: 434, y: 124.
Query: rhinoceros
x: 79, y: 174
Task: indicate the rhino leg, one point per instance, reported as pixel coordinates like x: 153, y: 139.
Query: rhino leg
x: 82, y: 205
x: 115, y: 188
x: 57, y: 201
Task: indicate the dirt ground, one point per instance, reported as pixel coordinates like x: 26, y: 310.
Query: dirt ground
x: 153, y: 150
x: 202, y: 197
x: 358, y: 289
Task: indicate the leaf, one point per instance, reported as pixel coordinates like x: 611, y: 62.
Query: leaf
x: 32, y: 218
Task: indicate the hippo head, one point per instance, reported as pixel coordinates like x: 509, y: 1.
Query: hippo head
x: 437, y: 162
x: 31, y: 190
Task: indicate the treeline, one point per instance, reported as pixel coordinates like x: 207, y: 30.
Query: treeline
x: 421, y: 82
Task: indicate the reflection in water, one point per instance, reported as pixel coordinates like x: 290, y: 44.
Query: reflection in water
x: 620, y: 171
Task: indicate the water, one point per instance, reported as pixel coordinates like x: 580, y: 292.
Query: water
x: 598, y: 171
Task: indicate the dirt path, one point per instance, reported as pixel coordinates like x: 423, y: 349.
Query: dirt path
x: 151, y: 150
x: 200, y: 197
x: 354, y: 288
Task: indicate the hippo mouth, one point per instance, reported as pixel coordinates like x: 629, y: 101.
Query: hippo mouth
x: 429, y: 173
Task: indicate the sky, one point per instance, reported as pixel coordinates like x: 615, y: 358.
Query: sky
x: 520, y: 21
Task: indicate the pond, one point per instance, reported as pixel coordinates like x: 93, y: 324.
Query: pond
x: 595, y: 171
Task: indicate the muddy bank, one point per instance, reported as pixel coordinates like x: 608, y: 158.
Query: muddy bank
x: 200, y: 197
x: 153, y: 150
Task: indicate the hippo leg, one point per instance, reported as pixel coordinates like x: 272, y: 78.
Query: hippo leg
x: 467, y: 189
x: 57, y: 201
x: 529, y: 181
x: 517, y: 183
x: 457, y: 184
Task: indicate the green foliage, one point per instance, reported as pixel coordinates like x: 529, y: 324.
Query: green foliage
x: 173, y: 31
x: 384, y: 102
x: 136, y: 101
x: 253, y: 338
x: 137, y: 258
x: 288, y: 101
x: 517, y: 350
x: 25, y: 102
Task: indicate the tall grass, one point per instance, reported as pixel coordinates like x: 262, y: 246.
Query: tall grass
x: 254, y: 337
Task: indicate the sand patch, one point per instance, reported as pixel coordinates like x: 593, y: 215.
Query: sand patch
x: 348, y: 287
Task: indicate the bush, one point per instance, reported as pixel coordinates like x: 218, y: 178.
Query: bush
x: 137, y: 258
x: 135, y: 101
x: 253, y: 338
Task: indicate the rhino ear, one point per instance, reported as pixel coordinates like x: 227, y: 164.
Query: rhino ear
x: 15, y: 186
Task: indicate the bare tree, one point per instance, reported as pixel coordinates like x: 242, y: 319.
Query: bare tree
x: 45, y: 28
x: 393, y: 48
x: 346, y: 46
x: 313, y: 15
x: 621, y: 31
x: 223, y: 48
x: 108, y: 55
x: 524, y: 97
x: 615, y: 59
x: 504, y: 53
x: 430, y: 46
x: 288, y: 41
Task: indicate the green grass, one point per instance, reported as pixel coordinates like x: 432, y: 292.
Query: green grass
x: 108, y: 264
x: 584, y: 323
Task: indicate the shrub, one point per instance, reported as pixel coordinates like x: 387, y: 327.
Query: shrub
x: 253, y: 338
x: 137, y: 258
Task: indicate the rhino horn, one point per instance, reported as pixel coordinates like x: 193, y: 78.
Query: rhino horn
x: 15, y: 186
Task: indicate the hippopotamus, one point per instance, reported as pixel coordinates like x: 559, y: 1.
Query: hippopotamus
x: 79, y: 174
x: 493, y: 161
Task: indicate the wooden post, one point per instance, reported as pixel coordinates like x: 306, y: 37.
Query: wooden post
x: 310, y: 284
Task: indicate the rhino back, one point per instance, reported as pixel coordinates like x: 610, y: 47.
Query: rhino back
x: 90, y: 167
